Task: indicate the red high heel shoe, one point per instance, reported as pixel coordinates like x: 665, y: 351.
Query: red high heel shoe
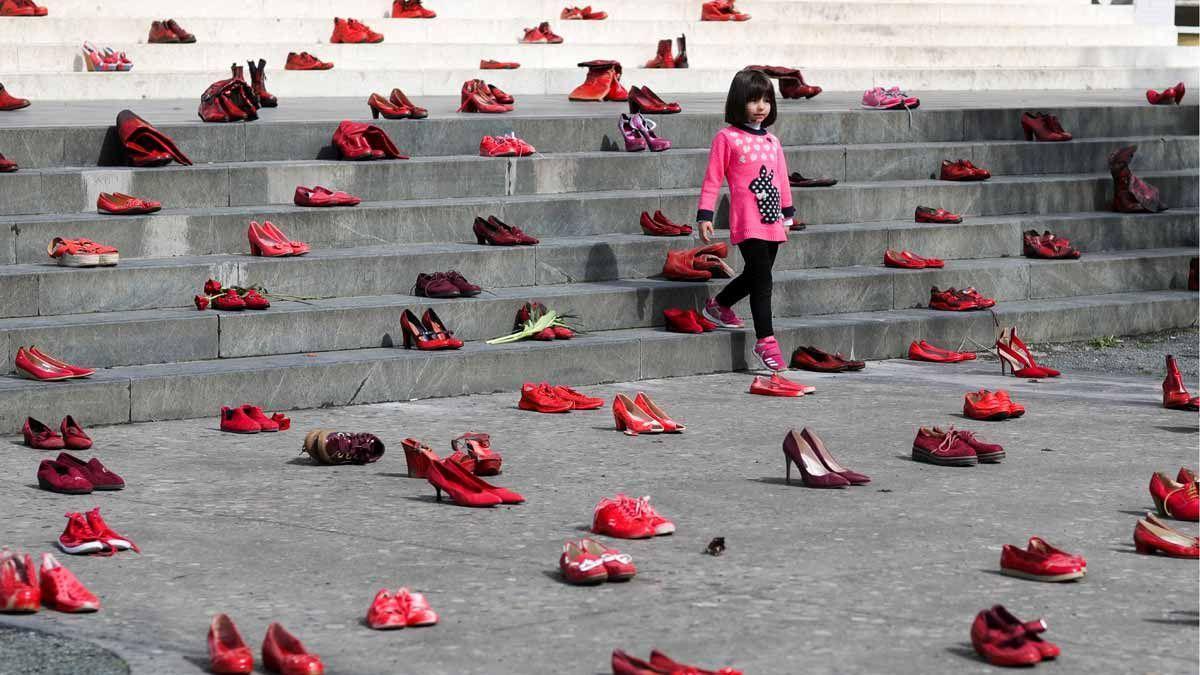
x: 227, y: 651
x: 669, y: 425
x: 298, y: 247
x: 283, y: 653
x: 468, y: 479
x: 631, y: 419
x: 416, y: 457
x: 263, y: 244
x: 813, y: 473
x: 416, y: 334
x: 434, y: 325
x: 445, y: 479
x: 381, y: 106
x: 818, y: 446
x: 477, y: 97
x: 1012, y: 351
x: 473, y: 452
x: 415, y: 111
x: 30, y: 366
x: 1175, y: 394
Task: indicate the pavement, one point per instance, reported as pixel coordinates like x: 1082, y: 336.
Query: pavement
x: 881, y: 578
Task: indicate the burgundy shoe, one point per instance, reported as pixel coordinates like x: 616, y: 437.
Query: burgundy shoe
x: 962, y: 171
x: 58, y: 477
x: 796, y: 180
x: 41, y: 437
x: 94, y: 470
x: 943, y: 449
x: 434, y: 286
x: 161, y: 34
x: 987, y: 453
x: 812, y: 358
x: 465, y: 288
x: 73, y: 434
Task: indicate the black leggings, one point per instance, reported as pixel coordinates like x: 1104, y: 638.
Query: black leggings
x: 754, y: 281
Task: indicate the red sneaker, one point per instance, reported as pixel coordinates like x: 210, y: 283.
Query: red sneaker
x: 62, y: 590
x: 10, y: 102
x: 578, y: 401
x: 227, y: 651
x: 925, y: 214
x: 534, y: 36
x: 544, y: 28
x: 619, y: 565
x: 352, y: 31
x: 417, y: 611
x: 305, y: 61
x: 94, y: 471
x: 235, y: 420
x: 385, y: 613
x: 411, y: 9
x: 993, y: 641
x: 982, y: 302
x: 108, y: 535
x: 984, y: 405
x: 283, y: 653
x: 620, y: 518
x: 950, y: 300
x: 19, y: 590
x: 581, y: 567
x: 942, y: 448
x: 1038, y: 566
x: 41, y: 437
x: 256, y: 413
x: 542, y: 398
x: 1180, y: 501
x: 54, y: 476
x: 79, y: 538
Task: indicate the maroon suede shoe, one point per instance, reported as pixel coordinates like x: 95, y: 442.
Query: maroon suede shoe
x: 436, y: 285
x: 73, y: 434
x: 986, y: 452
x: 58, y: 477
x: 94, y: 471
x: 946, y: 449
x: 41, y: 437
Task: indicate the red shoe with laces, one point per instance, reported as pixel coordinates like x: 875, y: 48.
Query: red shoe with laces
x: 934, y: 446
x: 926, y: 214
x: 496, y: 146
x: 385, y: 612
x: 473, y: 452
x: 1151, y: 535
x: 41, y: 437
x: 950, y: 300
x: 108, y: 535
x: 9, y: 102
x: 54, y: 476
x: 621, y: 518
x: 255, y: 413
x: 993, y: 641
x: 578, y: 401
x: 581, y: 567
x: 19, y: 591
x: 417, y: 611
x: 283, y: 653
x: 62, y: 590
x: 1038, y: 566
x: 542, y: 398
x: 962, y: 170
x: 94, y: 471
x: 227, y: 651
x: 160, y: 33
x: 78, y: 537
x: 1180, y: 501
x: 987, y: 453
x: 235, y: 420
x: 305, y: 61
x: 631, y: 419
x: 411, y: 9
x: 619, y: 565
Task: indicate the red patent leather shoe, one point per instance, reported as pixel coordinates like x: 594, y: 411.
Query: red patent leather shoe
x: 411, y: 9
x: 1151, y: 536
x: 1180, y: 501
x: 984, y: 405
x: 74, y: 437
x: 122, y: 204
x: 901, y: 261
x: 473, y: 452
x: 236, y: 421
x: 826, y: 458
x: 813, y: 473
x: 437, y: 328
x: 94, y: 471
x: 305, y: 61
x: 283, y: 653
x: 963, y: 170
x: 951, y: 300
x: 417, y: 335
x: 1038, y: 565
x: 399, y: 99
x: 994, y: 641
x: 29, y: 366
x: 648, y: 406
x: 578, y: 401
x: 10, y: 102
x: 632, y: 419
x: 227, y: 651
x: 925, y: 214
x: 19, y: 590
x: 918, y: 351
x: 381, y: 106
x: 55, y: 476
x: 77, y: 371
x: 642, y: 100
x: 1175, y: 393
x: 62, y: 590
x: 463, y: 487
x: 352, y: 31
x: 943, y: 448
x: 41, y: 437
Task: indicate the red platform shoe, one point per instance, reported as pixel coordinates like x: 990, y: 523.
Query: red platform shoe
x: 632, y: 419
x: 411, y: 9
x: 10, y: 102
x: 227, y: 651
x: 283, y: 653
x: 437, y: 328
x: 1175, y: 394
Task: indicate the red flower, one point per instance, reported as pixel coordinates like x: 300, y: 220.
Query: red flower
x: 212, y: 287
x: 201, y: 302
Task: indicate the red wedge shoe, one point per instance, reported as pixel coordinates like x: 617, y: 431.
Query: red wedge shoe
x: 64, y: 591
x: 227, y: 651
x: 632, y: 419
x: 33, y: 368
x: 283, y: 653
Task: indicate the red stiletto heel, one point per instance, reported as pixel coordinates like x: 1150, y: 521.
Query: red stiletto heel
x: 813, y: 474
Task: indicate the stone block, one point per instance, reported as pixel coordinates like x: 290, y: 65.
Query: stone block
x: 99, y: 399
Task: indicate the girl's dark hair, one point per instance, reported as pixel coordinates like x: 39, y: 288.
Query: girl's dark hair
x: 747, y: 86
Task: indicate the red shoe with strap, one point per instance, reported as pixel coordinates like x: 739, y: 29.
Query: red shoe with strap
x: 74, y: 437
x: 1175, y: 393
x: 1000, y: 646
x: 473, y: 452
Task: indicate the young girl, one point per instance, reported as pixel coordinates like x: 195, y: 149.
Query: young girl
x: 760, y: 205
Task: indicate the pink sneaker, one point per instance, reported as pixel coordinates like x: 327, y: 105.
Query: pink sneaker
x: 882, y: 99
x: 767, y: 351
x: 722, y: 316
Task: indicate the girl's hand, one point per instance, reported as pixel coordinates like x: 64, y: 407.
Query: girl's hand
x: 706, y: 230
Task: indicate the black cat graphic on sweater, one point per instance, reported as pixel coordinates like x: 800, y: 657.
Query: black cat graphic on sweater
x: 767, y: 195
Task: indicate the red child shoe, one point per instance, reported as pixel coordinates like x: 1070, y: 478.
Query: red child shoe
x: 62, y: 590
x: 385, y: 613
x: 1180, y: 501
x: 41, y: 437
x: 542, y: 398
x: 108, y: 535
x: 417, y: 611
x: 227, y: 651
x: 581, y: 567
x: 619, y: 565
x: 235, y: 420
x: 19, y: 591
x: 283, y: 653
x: 578, y: 401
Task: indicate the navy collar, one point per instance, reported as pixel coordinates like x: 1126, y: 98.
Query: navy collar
x: 752, y: 130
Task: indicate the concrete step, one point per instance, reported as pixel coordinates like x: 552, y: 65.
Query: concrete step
x: 175, y: 335
x: 145, y: 283
x: 81, y: 135
x: 181, y: 390
x: 68, y: 190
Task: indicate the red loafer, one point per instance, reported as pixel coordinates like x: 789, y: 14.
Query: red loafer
x: 55, y: 476
x: 94, y: 471
x: 925, y: 214
x: 1037, y: 566
x: 74, y: 436
x: 41, y: 437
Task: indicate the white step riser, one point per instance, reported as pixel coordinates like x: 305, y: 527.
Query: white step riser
x: 135, y: 85
x: 215, y: 59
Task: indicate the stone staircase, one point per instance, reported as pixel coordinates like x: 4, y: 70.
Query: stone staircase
x: 162, y: 359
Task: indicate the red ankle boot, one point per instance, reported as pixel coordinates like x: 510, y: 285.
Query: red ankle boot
x: 598, y: 83
x: 1175, y: 394
x: 664, y: 58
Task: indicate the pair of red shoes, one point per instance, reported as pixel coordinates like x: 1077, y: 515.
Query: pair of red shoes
x: 117, y: 203
x: 305, y: 61
x: 923, y: 351
x: 402, y: 609
x: 21, y: 8
x: 1047, y: 245
x: 34, y: 364
x: 540, y: 34
x: 643, y: 100
x: 505, y: 146
x: 472, y: 451
x: 427, y: 333
x: 928, y: 214
x: 41, y: 437
x: 659, y: 664
x: 250, y: 419
x: 910, y: 261
x: 954, y: 300
x: 812, y: 358
x: 624, y: 517
x: 478, y: 96
x: 547, y: 398
x: 358, y: 142
x: 396, y: 107
x: 1175, y: 393
x: 490, y: 64
x: 963, y: 170
x: 353, y: 31
x: 410, y: 9
x: 230, y: 301
x: 582, y: 14
x: 1179, y: 498
x: 23, y: 589
x: 1152, y: 535
x: 323, y: 196
x: 269, y: 241
x: 1011, y: 351
x: 659, y: 225
x: 496, y: 232
x: 721, y: 10
x: 1043, y: 127
x: 168, y: 31
x: 446, y: 475
x: 665, y: 57
x: 1004, y: 640
x: 282, y: 652
x: 1040, y: 561
x: 1168, y: 96
x: 82, y: 253
x: 991, y: 405
x: 687, y: 321
x: 585, y: 562
x: 953, y: 447
x: 72, y: 476
x: 88, y: 533
x: 778, y: 385
x: 640, y: 415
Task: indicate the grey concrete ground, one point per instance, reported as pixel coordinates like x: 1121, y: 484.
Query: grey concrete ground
x: 1131, y: 355
x: 882, y: 578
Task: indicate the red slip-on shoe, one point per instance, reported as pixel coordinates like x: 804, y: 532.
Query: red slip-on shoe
x: 108, y: 535
x: 1180, y: 501
x: 541, y: 398
x: 893, y: 259
x: 385, y: 612
x: 983, y: 405
x: 681, y: 321
x: 235, y: 420
x: 1042, y: 547
x: 122, y: 204
x: 943, y: 449
x: 987, y: 453
x: 252, y: 300
x: 581, y: 567
x: 73, y: 435
x: 707, y: 325
x: 62, y: 590
x: 1151, y: 536
x: 620, y: 519
x: 648, y: 406
x: 417, y: 611
x: 411, y: 9
x: 1017, y: 562
x: 473, y: 452
x: 338, y: 197
x: 490, y: 64
x: 49, y: 361
x: 925, y: 214
x: 311, y: 197
x: 631, y: 419
x: 263, y: 244
x: 578, y: 401
x: 227, y: 651
x: 41, y: 437
x: 918, y: 352
x: 256, y: 413
x: 665, y: 664
x: 500, y: 97
x: 33, y: 368
x: 816, y: 360
x: 619, y: 565
x: 1030, y: 630
x: 1015, y: 409
x: 9, y: 102
x: 769, y: 386
x: 298, y: 247
x: 54, y: 476
x: 950, y: 300
x: 965, y: 356
x: 17, y: 8
x: 7, y: 165
x: 926, y: 262
x: 19, y: 590
x: 999, y: 647
x: 94, y: 471
x: 1175, y: 393
x: 283, y: 653
x: 78, y: 537
x: 305, y: 61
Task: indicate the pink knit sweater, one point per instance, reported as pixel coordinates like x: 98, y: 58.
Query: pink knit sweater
x: 752, y: 161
